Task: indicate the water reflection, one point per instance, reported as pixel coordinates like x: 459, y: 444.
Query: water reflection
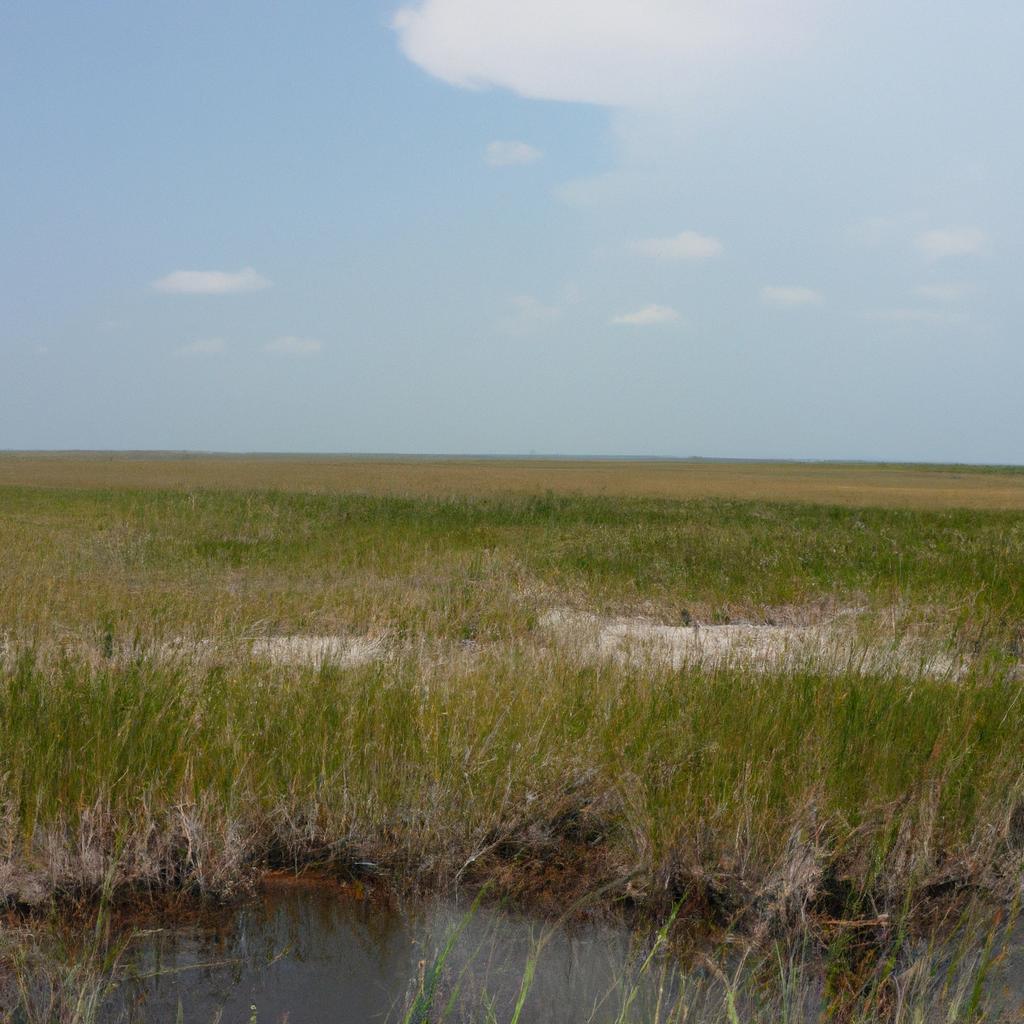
x: 309, y: 954
x: 312, y: 954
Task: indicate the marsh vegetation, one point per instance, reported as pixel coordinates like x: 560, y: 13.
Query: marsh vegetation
x: 411, y: 689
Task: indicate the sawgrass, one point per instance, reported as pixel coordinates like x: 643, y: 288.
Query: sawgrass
x: 150, y: 563
x: 479, y: 748
x: 475, y: 736
x: 852, y: 484
x: 762, y: 797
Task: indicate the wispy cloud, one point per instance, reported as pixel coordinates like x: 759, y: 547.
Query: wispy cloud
x: 687, y: 245
x: 941, y: 243
x: 588, y: 191
x: 292, y: 346
x: 211, y: 282
x: 913, y: 315
x: 952, y: 291
x: 790, y: 296
x: 647, y: 316
x: 510, y: 153
x: 527, y: 313
x: 203, y: 347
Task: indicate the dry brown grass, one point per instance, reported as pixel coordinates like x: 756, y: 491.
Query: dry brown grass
x: 890, y: 486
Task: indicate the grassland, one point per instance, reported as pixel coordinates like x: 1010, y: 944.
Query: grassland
x: 851, y: 484
x: 144, y: 748
x: 153, y: 561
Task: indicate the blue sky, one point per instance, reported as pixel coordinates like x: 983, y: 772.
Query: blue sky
x: 730, y: 228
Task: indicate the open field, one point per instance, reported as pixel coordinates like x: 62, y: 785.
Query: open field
x: 156, y: 563
x: 884, y: 485
x: 765, y: 713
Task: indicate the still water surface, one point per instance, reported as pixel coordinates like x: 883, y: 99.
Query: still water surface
x: 311, y: 955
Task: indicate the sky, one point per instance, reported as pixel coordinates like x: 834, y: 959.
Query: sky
x: 732, y: 228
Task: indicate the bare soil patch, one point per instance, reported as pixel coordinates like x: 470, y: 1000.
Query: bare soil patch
x: 833, y: 645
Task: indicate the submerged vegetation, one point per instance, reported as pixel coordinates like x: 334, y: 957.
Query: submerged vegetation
x: 147, y: 748
x: 848, y: 979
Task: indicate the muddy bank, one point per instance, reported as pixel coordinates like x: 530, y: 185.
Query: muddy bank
x: 546, y: 869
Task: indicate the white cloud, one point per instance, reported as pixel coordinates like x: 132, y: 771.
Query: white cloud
x: 647, y: 316
x: 951, y: 291
x: 618, y: 53
x: 292, y: 346
x: 203, y: 347
x: 943, y: 242
x: 509, y: 153
x: 687, y: 245
x: 790, y: 296
x: 211, y: 282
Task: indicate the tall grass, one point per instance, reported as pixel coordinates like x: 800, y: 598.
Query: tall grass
x: 480, y: 748
x: 161, y: 563
x: 759, y: 794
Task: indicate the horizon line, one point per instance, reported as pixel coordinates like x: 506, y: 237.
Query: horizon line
x: 489, y: 456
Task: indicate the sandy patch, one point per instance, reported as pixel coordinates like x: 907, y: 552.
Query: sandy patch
x: 296, y: 650
x: 833, y: 646
x: 318, y: 650
x: 311, y: 651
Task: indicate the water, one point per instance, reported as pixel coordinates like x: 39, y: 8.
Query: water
x: 311, y: 955
x: 316, y: 954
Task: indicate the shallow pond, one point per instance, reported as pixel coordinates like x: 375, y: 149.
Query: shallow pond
x: 305, y: 953
x: 312, y: 954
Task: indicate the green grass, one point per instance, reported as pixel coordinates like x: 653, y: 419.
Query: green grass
x: 480, y: 747
x: 163, y: 562
x: 714, y: 779
x: 434, y: 755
